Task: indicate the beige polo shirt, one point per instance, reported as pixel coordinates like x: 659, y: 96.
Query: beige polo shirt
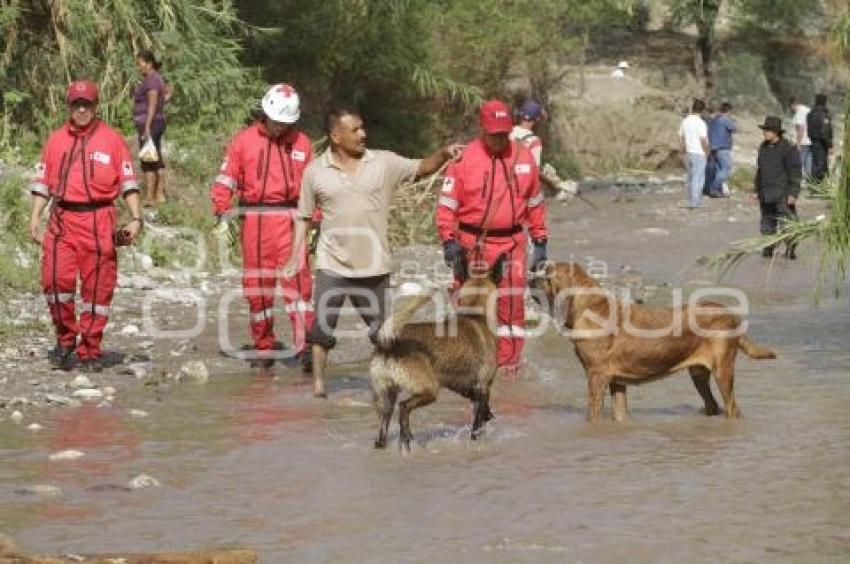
x: 355, y: 210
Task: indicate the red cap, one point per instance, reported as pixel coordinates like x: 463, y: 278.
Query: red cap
x: 82, y: 90
x: 495, y: 117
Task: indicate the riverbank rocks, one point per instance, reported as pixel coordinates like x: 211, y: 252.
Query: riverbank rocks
x: 81, y: 381
x: 130, y: 330
x: 66, y: 455
x: 143, y: 481
x: 88, y: 394
x: 56, y: 399
x: 194, y: 371
x: 46, y: 490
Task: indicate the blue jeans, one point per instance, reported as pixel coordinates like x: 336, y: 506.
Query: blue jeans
x: 696, y: 179
x: 806, y: 159
x: 725, y: 163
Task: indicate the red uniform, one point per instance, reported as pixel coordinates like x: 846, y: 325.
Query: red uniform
x: 265, y: 174
x: 83, y: 171
x: 485, y: 202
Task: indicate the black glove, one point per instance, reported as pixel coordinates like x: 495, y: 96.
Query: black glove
x: 455, y: 258
x: 538, y: 255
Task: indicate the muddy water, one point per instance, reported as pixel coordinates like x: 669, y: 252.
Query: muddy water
x: 253, y: 460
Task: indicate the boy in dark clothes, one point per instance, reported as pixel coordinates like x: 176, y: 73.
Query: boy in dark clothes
x: 777, y: 181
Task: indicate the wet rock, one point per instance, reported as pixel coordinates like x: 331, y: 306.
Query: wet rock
x: 143, y: 481
x: 194, y: 371
x: 88, y: 394
x: 57, y: 399
x: 34, y: 427
x: 20, y: 401
x: 145, y: 262
x: 183, y: 347
x: 46, y: 490
x: 130, y: 331
x: 17, y: 417
x: 138, y: 370
x: 138, y: 413
x: 108, y: 488
x: 81, y: 381
x: 66, y: 455
x: 136, y: 281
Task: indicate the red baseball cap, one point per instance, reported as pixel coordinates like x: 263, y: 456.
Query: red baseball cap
x: 495, y: 117
x: 82, y: 90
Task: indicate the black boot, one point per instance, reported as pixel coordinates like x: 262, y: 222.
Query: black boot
x: 264, y: 361
x: 92, y: 365
x: 62, y: 358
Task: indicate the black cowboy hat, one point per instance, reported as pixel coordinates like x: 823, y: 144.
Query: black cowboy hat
x: 772, y: 123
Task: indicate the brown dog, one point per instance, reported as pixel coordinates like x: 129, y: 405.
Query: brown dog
x: 415, y: 360
x: 615, y: 342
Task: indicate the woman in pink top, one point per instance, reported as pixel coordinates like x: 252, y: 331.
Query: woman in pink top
x: 148, y: 101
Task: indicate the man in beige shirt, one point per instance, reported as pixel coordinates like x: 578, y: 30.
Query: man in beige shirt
x: 353, y: 186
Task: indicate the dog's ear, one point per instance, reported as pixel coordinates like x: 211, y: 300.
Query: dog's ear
x: 498, y: 270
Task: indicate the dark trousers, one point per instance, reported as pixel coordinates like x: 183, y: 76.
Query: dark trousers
x: 820, y: 160
x: 368, y: 295
x: 773, y: 215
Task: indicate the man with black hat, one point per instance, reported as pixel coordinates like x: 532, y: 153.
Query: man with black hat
x: 778, y: 178
x: 819, y: 125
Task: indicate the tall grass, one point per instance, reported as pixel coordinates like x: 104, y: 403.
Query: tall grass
x: 18, y: 256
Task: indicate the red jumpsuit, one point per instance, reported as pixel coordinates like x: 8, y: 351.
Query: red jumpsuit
x: 83, y: 172
x: 265, y: 174
x: 485, y: 201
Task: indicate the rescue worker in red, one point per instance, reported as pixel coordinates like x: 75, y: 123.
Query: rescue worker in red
x: 263, y: 166
x: 487, y: 198
x: 85, y: 166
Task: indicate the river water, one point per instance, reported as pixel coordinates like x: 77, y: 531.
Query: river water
x: 253, y: 460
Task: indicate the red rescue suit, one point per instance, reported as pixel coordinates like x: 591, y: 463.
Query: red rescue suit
x: 83, y: 171
x: 485, y: 201
x: 265, y: 175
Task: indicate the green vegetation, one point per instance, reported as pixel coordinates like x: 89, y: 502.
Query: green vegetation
x: 416, y: 68
x: 18, y: 260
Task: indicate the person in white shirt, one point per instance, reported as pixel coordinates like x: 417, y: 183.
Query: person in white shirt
x: 693, y: 134
x: 804, y: 144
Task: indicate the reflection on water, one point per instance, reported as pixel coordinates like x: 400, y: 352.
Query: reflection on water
x: 253, y: 460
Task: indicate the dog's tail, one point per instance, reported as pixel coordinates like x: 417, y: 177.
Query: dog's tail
x: 753, y: 350
x: 401, y: 316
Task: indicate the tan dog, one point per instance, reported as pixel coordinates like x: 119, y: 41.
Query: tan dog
x: 615, y: 353
x: 415, y: 360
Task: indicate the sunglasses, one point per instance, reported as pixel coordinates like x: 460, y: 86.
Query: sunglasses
x: 77, y: 105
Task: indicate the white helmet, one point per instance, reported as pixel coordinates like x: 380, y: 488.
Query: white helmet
x: 281, y: 104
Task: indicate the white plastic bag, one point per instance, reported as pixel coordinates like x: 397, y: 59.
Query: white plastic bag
x: 148, y: 153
